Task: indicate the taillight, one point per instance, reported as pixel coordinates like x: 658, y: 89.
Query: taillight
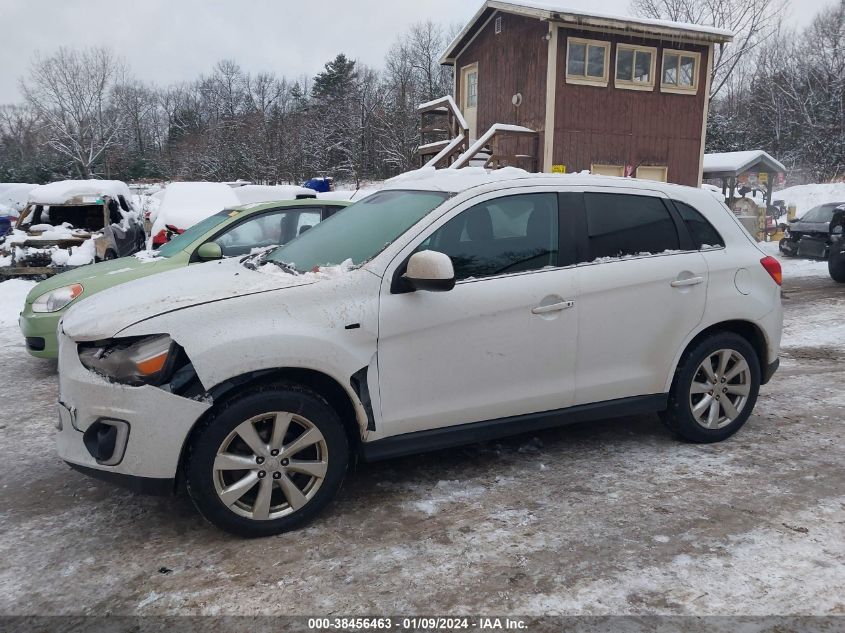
x: 772, y: 267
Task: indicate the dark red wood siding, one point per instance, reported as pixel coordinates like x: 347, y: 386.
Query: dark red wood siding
x: 609, y: 125
x: 514, y: 61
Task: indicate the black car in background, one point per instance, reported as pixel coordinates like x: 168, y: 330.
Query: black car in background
x: 809, y: 236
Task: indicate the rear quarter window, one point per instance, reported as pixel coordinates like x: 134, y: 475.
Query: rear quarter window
x: 701, y: 231
x: 620, y: 225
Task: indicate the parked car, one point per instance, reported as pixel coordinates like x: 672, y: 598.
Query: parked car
x: 228, y: 233
x: 447, y: 308
x: 809, y: 235
x: 183, y: 204
x: 836, y: 258
x: 72, y: 223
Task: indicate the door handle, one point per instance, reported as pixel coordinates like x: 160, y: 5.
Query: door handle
x: 690, y: 281
x: 555, y: 307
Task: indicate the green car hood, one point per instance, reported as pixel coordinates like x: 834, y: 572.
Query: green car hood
x: 97, y: 277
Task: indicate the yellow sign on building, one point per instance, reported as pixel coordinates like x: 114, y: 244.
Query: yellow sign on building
x: 558, y: 169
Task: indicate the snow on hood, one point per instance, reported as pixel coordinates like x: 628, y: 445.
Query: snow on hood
x: 62, y: 191
x: 109, y: 312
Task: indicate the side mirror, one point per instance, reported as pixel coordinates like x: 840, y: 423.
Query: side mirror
x: 430, y: 270
x: 209, y: 251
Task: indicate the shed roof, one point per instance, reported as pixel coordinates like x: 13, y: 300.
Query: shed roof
x: 559, y: 12
x: 736, y: 163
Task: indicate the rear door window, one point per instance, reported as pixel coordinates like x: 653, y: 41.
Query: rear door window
x: 701, y: 231
x: 625, y: 225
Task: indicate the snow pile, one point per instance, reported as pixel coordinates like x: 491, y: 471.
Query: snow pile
x: 186, y: 203
x: 251, y: 194
x: 63, y: 190
x: 14, y: 196
x: 453, y: 180
x: 805, y: 197
x: 13, y: 294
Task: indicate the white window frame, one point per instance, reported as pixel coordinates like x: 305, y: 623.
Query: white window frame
x: 605, y: 168
x: 630, y: 84
x: 663, y: 168
x: 675, y: 88
x: 586, y: 80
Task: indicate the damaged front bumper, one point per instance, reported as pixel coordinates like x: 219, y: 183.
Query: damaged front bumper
x: 129, y: 435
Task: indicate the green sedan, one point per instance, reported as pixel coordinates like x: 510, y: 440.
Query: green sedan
x: 229, y: 233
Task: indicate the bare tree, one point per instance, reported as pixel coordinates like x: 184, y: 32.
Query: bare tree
x: 751, y: 21
x: 71, y: 91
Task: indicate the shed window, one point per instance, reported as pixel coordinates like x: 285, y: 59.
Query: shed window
x: 472, y: 89
x: 586, y: 61
x: 607, y: 170
x: 635, y: 67
x: 657, y: 173
x: 680, y: 71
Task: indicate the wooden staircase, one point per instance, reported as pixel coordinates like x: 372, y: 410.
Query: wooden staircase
x: 443, y: 131
x: 503, y: 145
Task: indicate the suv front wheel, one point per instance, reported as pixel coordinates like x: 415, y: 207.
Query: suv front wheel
x: 268, y: 461
x: 715, y: 388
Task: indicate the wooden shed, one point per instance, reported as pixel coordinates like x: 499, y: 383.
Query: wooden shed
x: 614, y: 95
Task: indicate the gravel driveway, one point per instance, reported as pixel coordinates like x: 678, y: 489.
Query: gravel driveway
x: 601, y: 518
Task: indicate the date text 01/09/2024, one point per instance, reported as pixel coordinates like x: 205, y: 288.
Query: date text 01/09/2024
x: 416, y: 623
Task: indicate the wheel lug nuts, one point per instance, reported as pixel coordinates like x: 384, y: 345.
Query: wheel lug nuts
x: 277, y: 475
x: 285, y: 462
x: 274, y: 452
x: 261, y: 474
x: 259, y: 460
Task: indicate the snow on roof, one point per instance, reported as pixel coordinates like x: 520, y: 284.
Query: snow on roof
x: 452, y: 180
x: 249, y: 194
x: 186, y: 203
x: 62, y: 191
x: 738, y: 162
x: 560, y: 12
x: 347, y: 194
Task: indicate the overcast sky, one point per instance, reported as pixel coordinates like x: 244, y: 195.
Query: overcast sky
x: 166, y: 41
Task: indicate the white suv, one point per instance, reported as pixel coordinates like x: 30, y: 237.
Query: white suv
x: 451, y: 307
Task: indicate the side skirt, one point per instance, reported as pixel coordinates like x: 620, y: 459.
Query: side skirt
x: 458, y: 435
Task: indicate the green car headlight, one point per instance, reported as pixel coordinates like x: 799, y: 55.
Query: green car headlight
x: 144, y: 361
x: 57, y: 299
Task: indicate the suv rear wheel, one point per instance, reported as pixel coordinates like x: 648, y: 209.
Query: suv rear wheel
x: 715, y: 388
x: 268, y: 461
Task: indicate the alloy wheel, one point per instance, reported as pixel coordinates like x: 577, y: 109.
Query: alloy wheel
x: 720, y: 389
x: 270, y: 465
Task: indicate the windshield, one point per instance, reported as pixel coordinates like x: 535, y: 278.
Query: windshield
x: 183, y: 241
x: 360, y: 231
x: 821, y: 213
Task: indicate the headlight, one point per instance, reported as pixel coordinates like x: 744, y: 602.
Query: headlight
x: 145, y: 361
x: 57, y: 299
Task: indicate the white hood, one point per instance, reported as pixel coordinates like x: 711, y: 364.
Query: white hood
x: 107, y: 313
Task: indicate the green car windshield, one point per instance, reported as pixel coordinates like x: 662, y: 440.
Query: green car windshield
x: 181, y: 242
x: 360, y: 231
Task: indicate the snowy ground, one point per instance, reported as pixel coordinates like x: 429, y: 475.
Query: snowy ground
x: 602, y: 518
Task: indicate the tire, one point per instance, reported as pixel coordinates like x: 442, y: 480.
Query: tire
x: 836, y: 266
x: 240, y: 500
x: 690, y: 411
x: 109, y: 255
